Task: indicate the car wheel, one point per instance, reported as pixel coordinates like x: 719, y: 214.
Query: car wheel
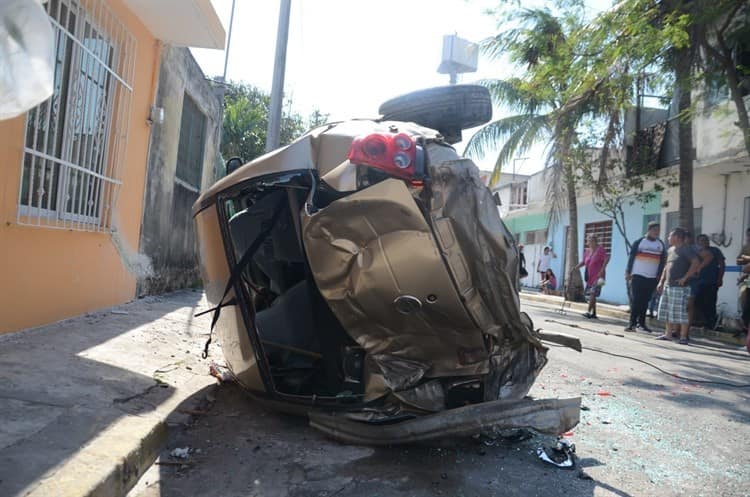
x: 447, y: 109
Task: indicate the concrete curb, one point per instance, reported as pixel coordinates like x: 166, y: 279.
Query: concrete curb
x: 614, y: 312
x: 112, y: 463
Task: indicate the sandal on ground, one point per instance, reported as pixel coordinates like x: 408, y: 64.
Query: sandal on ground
x: 684, y: 341
x: 663, y: 337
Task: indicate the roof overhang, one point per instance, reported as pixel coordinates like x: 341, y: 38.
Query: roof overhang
x: 187, y: 23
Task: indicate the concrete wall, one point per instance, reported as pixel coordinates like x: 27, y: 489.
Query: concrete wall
x: 709, y: 195
x: 715, y: 136
x: 168, y: 236
x: 51, y: 274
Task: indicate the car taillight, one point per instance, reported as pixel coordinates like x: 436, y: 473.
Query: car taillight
x: 393, y: 153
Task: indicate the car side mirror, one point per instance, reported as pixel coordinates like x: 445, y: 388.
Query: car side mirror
x: 233, y: 164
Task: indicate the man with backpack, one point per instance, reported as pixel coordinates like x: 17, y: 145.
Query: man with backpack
x: 646, y: 261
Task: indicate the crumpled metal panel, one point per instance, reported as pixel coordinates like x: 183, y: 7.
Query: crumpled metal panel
x: 483, y: 259
x: 369, y: 249
x: 428, y: 396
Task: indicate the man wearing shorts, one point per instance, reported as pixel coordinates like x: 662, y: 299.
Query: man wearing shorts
x: 682, y: 264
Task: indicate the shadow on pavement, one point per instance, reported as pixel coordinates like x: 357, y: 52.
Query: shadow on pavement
x: 240, y: 448
x: 64, y: 384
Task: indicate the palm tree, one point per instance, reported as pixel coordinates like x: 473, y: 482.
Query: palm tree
x: 542, y: 113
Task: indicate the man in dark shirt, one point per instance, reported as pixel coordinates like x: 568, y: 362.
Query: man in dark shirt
x: 711, y: 277
x: 644, y: 266
x: 743, y: 260
x: 682, y: 264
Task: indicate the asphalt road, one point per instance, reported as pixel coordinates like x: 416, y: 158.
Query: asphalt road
x: 642, y: 433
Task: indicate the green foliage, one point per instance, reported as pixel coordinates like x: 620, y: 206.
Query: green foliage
x: 246, y: 114
x: 317, y: 118
x: 576, y: 78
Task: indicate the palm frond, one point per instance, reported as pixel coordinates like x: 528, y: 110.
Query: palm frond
x: 557, y: 199
x: 509, y: 93
x: 531, y: 131
x: 491, y: 135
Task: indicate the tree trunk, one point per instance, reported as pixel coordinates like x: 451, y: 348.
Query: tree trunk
x: 742, y: 119
x: 574, y: 288
x: 723, y: 55
x: 683, y: 66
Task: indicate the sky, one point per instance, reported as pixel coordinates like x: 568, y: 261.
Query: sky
x: 346, y: 57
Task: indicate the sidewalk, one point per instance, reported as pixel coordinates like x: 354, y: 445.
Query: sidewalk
x: 621, y: 313
x: 85, y: 402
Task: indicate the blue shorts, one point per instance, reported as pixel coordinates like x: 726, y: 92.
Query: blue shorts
x: 695, y: 286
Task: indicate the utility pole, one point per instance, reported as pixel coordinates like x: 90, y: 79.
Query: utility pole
x: 229, y: 42
x: 277, y: 90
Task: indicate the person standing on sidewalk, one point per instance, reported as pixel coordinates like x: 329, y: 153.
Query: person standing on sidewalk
x: 595, y: 259
x: 743, y: 260
x: 647, y: 256
x: 705, y: 257
x: 711, y: 277
x: 545, y: 262
x: 682, y: 264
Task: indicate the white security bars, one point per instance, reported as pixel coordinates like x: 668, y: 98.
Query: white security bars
x: 76, y: 141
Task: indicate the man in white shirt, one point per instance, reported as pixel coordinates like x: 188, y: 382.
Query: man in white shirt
x: 545, y: 261
x: 647, y: 256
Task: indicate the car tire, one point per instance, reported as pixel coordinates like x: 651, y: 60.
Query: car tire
x: 447, y: 109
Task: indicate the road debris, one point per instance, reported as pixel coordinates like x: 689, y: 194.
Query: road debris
x: 561, y: 455
x: 180, y: 453
x: 221, y: 373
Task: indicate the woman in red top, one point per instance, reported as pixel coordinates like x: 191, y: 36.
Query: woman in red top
x: 549, y: 283
x: 595, y: 259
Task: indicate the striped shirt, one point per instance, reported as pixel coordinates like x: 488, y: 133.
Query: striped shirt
x: 646, y: 258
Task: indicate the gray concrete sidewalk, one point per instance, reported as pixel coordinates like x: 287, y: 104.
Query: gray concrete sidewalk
x: 621, y: 313
x: 84, y: 402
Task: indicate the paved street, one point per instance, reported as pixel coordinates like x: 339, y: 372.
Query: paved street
x: 642, y: 433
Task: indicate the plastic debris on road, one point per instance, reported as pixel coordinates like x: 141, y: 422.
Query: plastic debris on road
x: 221, y: 373
x: 561, y: 455
x: 180, y: 453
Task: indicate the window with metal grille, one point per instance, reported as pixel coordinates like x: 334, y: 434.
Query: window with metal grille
x: 536, y: 237
x: 75, y: 142
x: 647, y: 218
x: 191, y: 145
x: 519, y: 195
x: 673, y: 221
x: 603, y: 231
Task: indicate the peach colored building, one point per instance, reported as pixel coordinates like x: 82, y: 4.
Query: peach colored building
x: 73, y: 170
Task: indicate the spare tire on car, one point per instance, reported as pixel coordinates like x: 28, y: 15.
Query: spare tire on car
x: 447, y: 109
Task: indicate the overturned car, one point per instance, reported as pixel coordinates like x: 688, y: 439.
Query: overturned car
x: 362, y: 276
